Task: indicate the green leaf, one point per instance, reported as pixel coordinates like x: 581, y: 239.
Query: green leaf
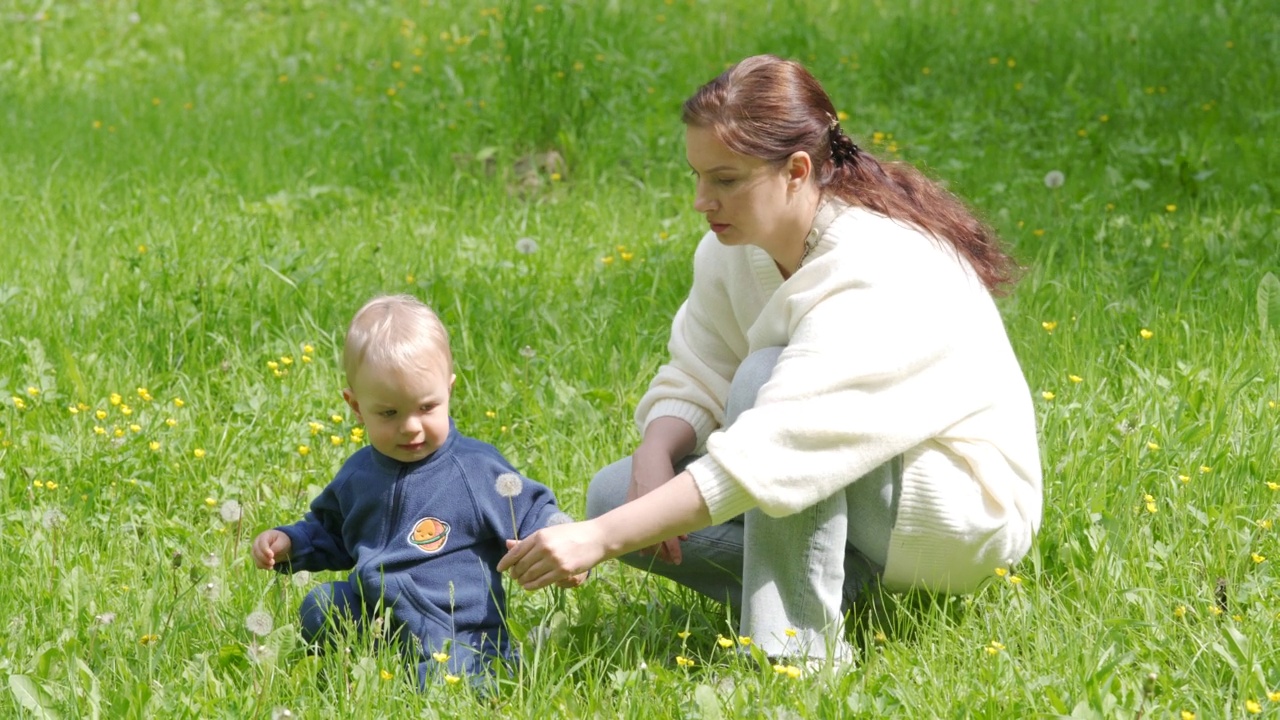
x: 29, y: 696
x: 1269, y: 302
x: 708, y: 704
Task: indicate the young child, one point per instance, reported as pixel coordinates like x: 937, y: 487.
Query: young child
x: 422, y: 515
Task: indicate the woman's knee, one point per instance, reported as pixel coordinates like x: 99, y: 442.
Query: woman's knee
x: 608, y: 489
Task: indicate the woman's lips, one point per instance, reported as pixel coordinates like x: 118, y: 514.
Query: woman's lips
x: 719, y: 227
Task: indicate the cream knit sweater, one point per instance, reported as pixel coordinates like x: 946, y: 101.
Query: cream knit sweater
x: 892, y: 347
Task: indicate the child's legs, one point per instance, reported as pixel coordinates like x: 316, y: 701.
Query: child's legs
x: 325, y: 606
x: 712, y: 556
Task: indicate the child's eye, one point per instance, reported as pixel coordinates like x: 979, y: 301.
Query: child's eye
x: 387, y: 413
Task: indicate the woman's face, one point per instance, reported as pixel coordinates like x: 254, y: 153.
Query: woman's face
x: 746, y: 200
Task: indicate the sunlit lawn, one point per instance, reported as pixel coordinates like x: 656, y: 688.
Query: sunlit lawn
x: 195, y: 197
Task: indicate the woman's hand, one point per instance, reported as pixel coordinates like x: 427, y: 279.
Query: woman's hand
x: 650, y: 469
x: 560, y: 554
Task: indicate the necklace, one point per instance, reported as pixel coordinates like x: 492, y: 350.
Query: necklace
x: 808, y: 248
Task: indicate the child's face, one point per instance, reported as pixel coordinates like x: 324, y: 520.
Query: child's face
x: 405, y: 410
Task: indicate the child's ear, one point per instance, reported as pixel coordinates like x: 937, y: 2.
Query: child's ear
x: 353, y: 402
x: 452, y: 378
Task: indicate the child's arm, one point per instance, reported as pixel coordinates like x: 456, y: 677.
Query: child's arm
x: 269, y: 547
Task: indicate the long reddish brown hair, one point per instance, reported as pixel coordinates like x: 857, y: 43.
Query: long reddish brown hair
x: 770, y: 108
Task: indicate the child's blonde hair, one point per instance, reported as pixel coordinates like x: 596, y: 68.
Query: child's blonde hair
x: 395, y: 330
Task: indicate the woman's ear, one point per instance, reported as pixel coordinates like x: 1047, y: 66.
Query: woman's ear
x: 799, y: 170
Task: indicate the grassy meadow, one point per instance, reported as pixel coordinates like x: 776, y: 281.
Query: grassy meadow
x: 195, y: 197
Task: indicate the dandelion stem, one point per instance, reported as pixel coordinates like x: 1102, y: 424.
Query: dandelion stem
x: 514, y: 529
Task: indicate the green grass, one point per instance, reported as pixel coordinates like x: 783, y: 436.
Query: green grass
x: 202, y: 189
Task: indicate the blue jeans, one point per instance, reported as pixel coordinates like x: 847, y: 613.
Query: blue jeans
x: 792, y: 577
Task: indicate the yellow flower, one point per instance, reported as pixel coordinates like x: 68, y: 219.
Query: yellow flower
x: 286, y: 360
x: 126, y: 410
x: 780, y: 668
x: 115, y: 399
x: 273, y: 365
x: 308, y: 349
x: 607, y: 260
x: 178, y: 402
x: 210, y: 501
x: 1047, y: 395
x: 1150, y: 503
x: 199, y: 453
x: 994, y: 648
x: 336, y: 418
x: 452, y: 679
x: 683, y: 661
x: 1188, y: 715
x: 149, y: 639
x: 1146, y: 334
x: 1273, y: 485
x: 1252, y: 706
x: 490, y: 414
x: 99, y: 430
x: 1001, y: 572
x: 315, y: 427
x: 1015, y: 580
x: 154, y: 445
x: 1170, y: 208
x: 1264, y: 523
x: 386, y: 674
x: 1215, y: 609
x: 303, y: 450
x: 789, y: 632
x: 723, y: 641
x: 880, y: 638
x: 33, y: 390
x: 1184, y: 478
x: 1273, y: 695
x: 19, y: 403
x: 1257, y: 558
x: 1075, y: 378
x: 683, y: 634
x: 118, y: 432
x: 335, y: 440
x: 744, y: 640
x: 1153, y: 446
x: 135, y: 428
x: 1180, y: 611
x: 170, y: 422
x: 101, y: 414
x: 440, y: 657
x: 1049, y: 325
x: 357, y: 434
x: 38, y: 483
x: 144, y: 394
x: 793, y: 672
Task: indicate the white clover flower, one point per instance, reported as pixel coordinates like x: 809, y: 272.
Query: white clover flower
x: 259, y: 622
x: 1054, y: 179
x: 509, y: 485
x: 231, y: 511
x: 526, y: 246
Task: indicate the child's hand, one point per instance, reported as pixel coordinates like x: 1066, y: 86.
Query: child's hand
x: 269, y: 547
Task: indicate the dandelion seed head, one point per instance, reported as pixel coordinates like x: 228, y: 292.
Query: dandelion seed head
x: 259, y: 622
x: 1054, y: 179
x: 528, y: 353
x: 231, y: 511
x: 526, y: 246
x: 53, y: 518
x: 559, y: 518
x: 509, y: 485
x: 281, y: 713
x: 105, y: 618
x: 301, y: 578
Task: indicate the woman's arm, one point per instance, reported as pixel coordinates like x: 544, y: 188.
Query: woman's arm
x: 555, y: 553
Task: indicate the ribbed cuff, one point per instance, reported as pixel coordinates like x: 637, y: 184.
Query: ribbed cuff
x: 702, y: 422
x: 725, y: 497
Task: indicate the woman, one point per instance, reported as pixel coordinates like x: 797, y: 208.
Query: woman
x: 841, y: 407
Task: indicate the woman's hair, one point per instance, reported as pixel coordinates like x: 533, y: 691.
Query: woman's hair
x: 395, y: 331
x: 770, y: 108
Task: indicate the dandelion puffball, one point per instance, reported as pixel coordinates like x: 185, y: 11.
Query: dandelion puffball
x: 559, y: 518
x: 1054, y: 179
x: 509, y: 485
x: 231, y: 511
x: 259, y: 622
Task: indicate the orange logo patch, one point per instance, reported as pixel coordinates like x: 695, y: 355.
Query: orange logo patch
x: 429, y: 535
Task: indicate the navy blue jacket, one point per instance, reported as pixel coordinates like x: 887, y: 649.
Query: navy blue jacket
x: 424, y: 538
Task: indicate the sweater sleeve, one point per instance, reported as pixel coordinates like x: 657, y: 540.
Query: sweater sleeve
x: 706, y: 347
x: 881, y: 357
x: 317, y: 539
